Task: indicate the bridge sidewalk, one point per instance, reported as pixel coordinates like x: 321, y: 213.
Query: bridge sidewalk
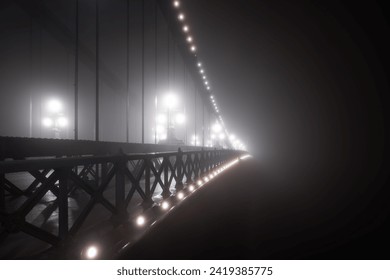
x: 252, y: 213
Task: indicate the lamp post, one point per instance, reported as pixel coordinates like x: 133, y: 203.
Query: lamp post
x: 173, y: 117
x: 55, y: 119
x: 217, y: 134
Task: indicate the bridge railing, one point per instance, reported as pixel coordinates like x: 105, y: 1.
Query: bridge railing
x: 38, y: 197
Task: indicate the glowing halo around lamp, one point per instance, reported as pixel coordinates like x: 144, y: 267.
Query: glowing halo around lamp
x: 91, y: 252
x: 140, y: 221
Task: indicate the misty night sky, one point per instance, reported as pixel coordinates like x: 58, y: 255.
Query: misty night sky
x: 305, y: 85
x: 312, y: 74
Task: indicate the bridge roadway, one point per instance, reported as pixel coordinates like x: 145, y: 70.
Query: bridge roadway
x: 254, y: 212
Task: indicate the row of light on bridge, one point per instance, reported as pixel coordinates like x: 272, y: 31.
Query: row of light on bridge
x: 190, y: 40
x: 237, y: 144
x: 142, y: 221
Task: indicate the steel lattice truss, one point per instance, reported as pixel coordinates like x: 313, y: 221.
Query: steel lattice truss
x: 119, y: 184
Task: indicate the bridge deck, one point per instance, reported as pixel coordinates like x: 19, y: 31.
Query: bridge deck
x: 250, y: 212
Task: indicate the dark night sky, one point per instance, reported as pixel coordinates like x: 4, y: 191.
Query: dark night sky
x: 304, y: 83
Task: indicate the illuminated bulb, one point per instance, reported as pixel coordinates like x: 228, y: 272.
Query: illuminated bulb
x: 47, y: 122
x: 201, y: 71
x: 165, y: 205
x: 140, y: 221
x: 181, y: 17
x: 54, y: 106
x: 91, y: 252
x: 180, y: 195
x: 189, y: 39
x: 191, y: 188
x: 200, y: 182
x: 206, y: 179
x: 217, y: 127
x: 208, y: 88
x: 171, y: 101
x: 62, y: 121
x: 176, y: 4
x: 199, y: 64
x: 193, y: 48
x: 186, y: 28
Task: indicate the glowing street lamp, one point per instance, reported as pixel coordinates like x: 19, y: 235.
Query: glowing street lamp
x: 62, y: 122
x: 170, y: 120
x: 194, y: 140
x: 47, y: 122
x: 54, y: 106
x: 171, y: 101
x: 217, y: 128
x: 55, y: 119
